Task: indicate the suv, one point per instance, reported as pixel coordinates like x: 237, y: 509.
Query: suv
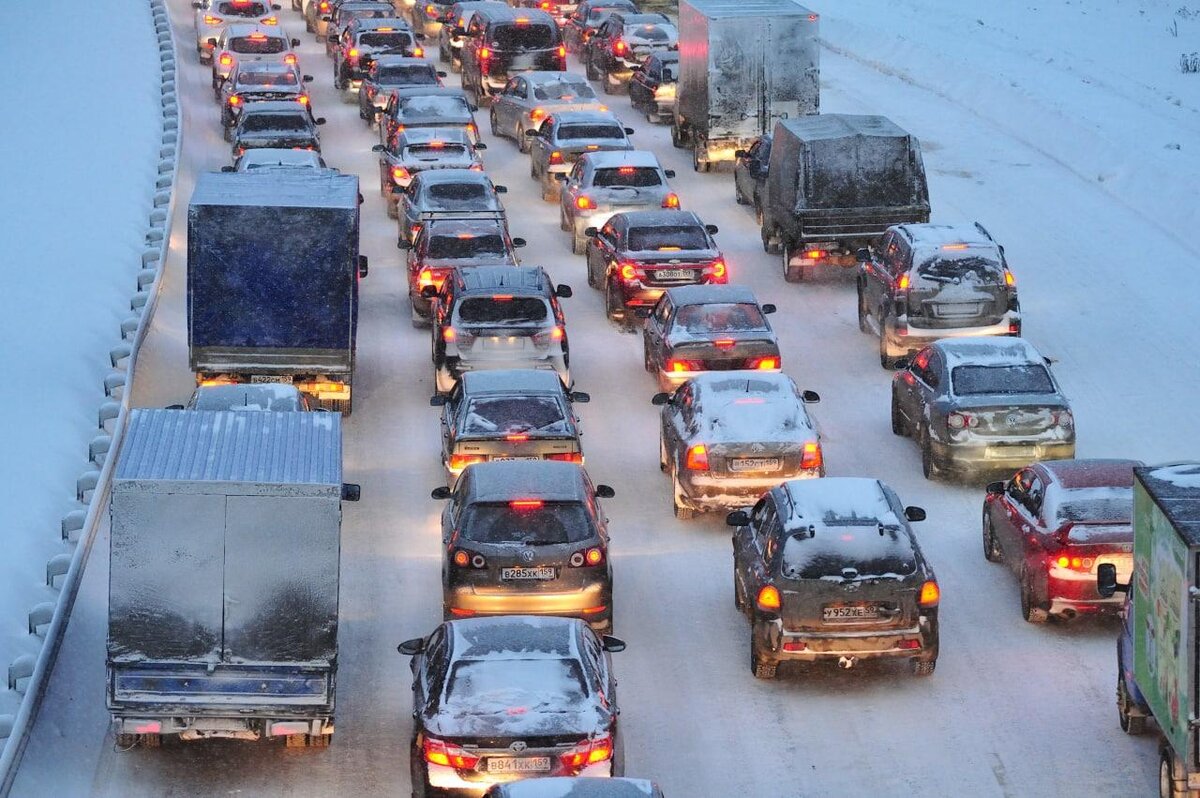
x: 622, y: 42
x: 930, y: 281
x: 450, y: 37
x: 828, y: 570
x: 249, y: 43
x: 258, y: 81
x: 388, y: 73
x: 361, y: 41
x: 450, y: 241
x: 278, y: 124
x: 603, y: 183
x: 440, y: 193
x: 499, y: 317
x: 526, y: 537
x: 212, y: 15
x: 502, y: 41
x: 587, y: 16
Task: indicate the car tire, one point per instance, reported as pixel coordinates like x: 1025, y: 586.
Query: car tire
x: 899, y: 426
x: 738, y: 196
x: 863, y: 324
x: 647, y: 362
x: 885, y: 353
x: 791, y: 274
x: 495, y: 127
x: 680, y: 511
x: 614, y: 306
x: 761, y: 665
x: 662, y: 455
x: 678, y: 139
x: 522, y: 141
x: 923, y: 666
x: 928, y: 467
x: 1130, y: 723
x: 418, y: 321
x: 227, y: 133
x: 1029, y: 610
x: 991, y: 547
x: 549, y: 189
x: 443, y: 381
x: 578, y: 242
x: 393, y: 208
x: 652, y: 117
x: 563, y: 223
x: 443, y: 53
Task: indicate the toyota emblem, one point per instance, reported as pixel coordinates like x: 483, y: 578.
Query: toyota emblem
x: 518, y: 746
x: 527, y: 555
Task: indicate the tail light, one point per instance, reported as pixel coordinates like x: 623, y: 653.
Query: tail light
x: 671, y: 200
x: 811, y: 457
x: 484, y: 53
x: 449, y: 334
x: 149, y: 727
x: 718, y: 272
x: 677, y: 366
x: 903, y: 283
x: 468, y: 559
x: 526, y: 504
x: 1073, y: 562
x: 235, y: 100
x: 399, y: 173
x: 1064, y: 419
x: 353, y: 55
x: 958, y: 420
x: 815, y: 254
x: 418, y: 52
x: 537, y: 114
x: 588, y: 752
x: 460, y: 461
x: 269, y: 20
x: 209, y: 19
x: 431, y: 10
x: 556, y: 158
x: 620, y: 47
x: 324, y: 7
x: 302, y: 99
x: 562, y: 52
x: 584, y: 203
x: 765, y: 363
x: 226, y: 59
x: 593, y: 556
x: 548, y: 337
x: 930, y: 594
x: 439, y: 752
x: 290, y: 58
x: 724, y: 344
x: 697, y: 458
x: 426, y: 278
x: 566, y: 457
x: 629, y: 271
x: 769, y: 599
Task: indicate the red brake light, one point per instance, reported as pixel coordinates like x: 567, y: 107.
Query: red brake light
x: 903, y: 283
x: 811, y: 456
x: 418, y: 52
x: 719, y: 271
x: 257, y: 37
x: 671, y: 200
x: 629, y: 271
x: 516, y: 437
x: 1009, y: 280
x: 556, y: 334
x: 930, y: 594
x: 460, y: 461
x: 269, y: 20
x: 566, y: 457
x: 235, y: 100
x: 324, y: 7
x: 680, y: 366
x: 584, y: 203
x: 438, y: 752
x: 485, y: 53
x: 588, y: 752
x: 226, y: 59
x: 723, y: 343
x: 526, y: 504
x: 556, y: 157
x: 769, y: 598
x: 619, y: 47
x: 594, y: 556
x: 399, y: 173
x: 302, y: 99
x: 562, y: 50
x: 353, y: 52
x: 537, y: 114
x: 431, y: 9
x: 697, y: 458
x: 290, y: 58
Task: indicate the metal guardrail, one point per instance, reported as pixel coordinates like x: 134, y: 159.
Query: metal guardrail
x: 30, y: 675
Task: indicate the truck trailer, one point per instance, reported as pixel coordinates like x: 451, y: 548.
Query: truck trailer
x: 223, y: 576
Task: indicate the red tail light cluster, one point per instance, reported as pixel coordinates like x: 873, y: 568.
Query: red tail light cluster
x: 718, y: 272
x: 592, y: 557
x: 584, y: 203
x: 696, y: 458
x: 769, y: 363
x: 566, y: 457
x: 630, y: 271
x: 1075, y: 563
x: 769, y: 599
x: 930, y: 595
x: 619, y: 47
x: 439, y: 752
x: 226, y: 59
x: 671, y: 200
x: 324, y: 7
x: 548, y: 337
x: 468, y: 559
x: 588, y: 752
x: 460, y: 461
x: 235, y: 100
x: 209, y: 19
x: 399, y: 173
x: 810, y: 456
x: 677, y: 366
x: 957, y: 420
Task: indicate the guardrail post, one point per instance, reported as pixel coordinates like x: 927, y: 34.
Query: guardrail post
x: 86, y: 482
x: 20, y: 668
x: 107, y: 412
x: 57, y: 566
x: 114, y: 381
x: 129, y: 327
x: 40, y: 615
x: 72, y: 522
x: 118, y: 353
x: 98, y: 449
x: 6, y: 726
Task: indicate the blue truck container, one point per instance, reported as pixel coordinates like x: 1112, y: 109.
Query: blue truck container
x: 273, y: 269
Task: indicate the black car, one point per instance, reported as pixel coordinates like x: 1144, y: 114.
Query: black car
x: 652, y: 86
x: 526, y: 537
x: 566, y: 787
x: 430, y: 15
x: 260, y: 81
x: 278, y: 124
x: 445, y: 243
x: 587, y: 16
x: 426, y: 106
x: 828, y: 570
x: 622, y: 43
x: 750, y: 174
x: 499, y: 42
x: 497, y: 699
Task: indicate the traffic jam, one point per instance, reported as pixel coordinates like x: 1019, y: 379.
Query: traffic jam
x: 516, y: 690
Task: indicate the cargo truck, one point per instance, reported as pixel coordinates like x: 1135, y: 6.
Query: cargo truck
x: 272, y: 276
x: 223, y: 576
x: 1158, y: 651
x: 743, y: 66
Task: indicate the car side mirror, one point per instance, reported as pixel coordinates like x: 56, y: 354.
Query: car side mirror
x: 591, y: 232
x: 481, y: 146
x: 612, y: 644
x: 363, y: 268
x: 560, y: 176
x: 669, y: 172
x: 174, y: 407
x: 441, y: 74
x: 579, y: 397
x: 320, y: 120
x: 440, y: 493
x: 739, y: 153
x: 862, y: 255
x: 428, y: 291
x: 351, y: 492
x: 501, y: 189
x: 276, y: 7
x: 902, y: 363
x: 228, y: 169
x: 629, y: 131
x: 212, y: 41
x: 605, y: 492
x: 810, y: 397
x: 295, y: 42
x: 403, y: 243
x: 437, y: 400
x: 768, y: 309
x: 197, y: 6
x: 531, y: 133
x: 563, y: 291
x: 995, y: 488
x: 711, y: 229
x: 411, y: 648
x: 307, y: 78
x: 914, y: 513
x: 377, y: 148
x: 360, y: 198
x: 660, y: 399
x: 518, y: 243
x: 1106, y: 580
x: 737, y: 518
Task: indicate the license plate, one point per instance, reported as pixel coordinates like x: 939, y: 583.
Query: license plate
x: 674, y: 274
x: 496, y: 457
x: 755, y: 464
x: 501, y: 342
x: 1005, y: 452
x: 269, y: 378
x: 957, y: 310
x: 542, y: 573
x: 851, y: 612
x: 513, y: 764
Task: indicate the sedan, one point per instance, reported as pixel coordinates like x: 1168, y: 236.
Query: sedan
x: 421, y: 149
x: 637, y: 256
x: 622, y: 43
x: 981, y: 404
x: 258, y: 81
x: 249, y: 43
x: 426, y: 106
x: 652, y: 86
x: 268, y: 158
x: 603, y: 183
x: 701, y: 328
x: 497, y: 699
x: 562, y: 138
x: 587, y: 17
x: 527, y: 99
x: 728, y: 436
x: 492, y: 416
x: 1054, y: 524
x: 444, y: 244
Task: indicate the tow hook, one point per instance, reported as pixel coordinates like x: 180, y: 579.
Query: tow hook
x: 846, y: 663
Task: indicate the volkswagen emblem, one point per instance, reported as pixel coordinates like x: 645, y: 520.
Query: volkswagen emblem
x: 518, y: 746
x: 527, y: 555
x: 1011, y: 420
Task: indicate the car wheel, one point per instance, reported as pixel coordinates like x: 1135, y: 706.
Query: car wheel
x: 885, y: 352
x: 662, y: 455
x: 495, y: 127
x: 738, y: 196
x: 607, y: 86
x: 899, y: 427
x: 548, y: 194
x: 761, y: 665
x: 563, y: 223
x: 922, y: 666
x: 928, y: 468
x: 614, y: 305
x: 443, y: 380
x: 647, y: 363
x: 578, y: 242
x: 1029, y: 609
x: 393, y: 208
x: 792, y: 274
x: 652, y: 117
x: 418, y: 321
x: 1130, y: 724
x: 309, y: 26
x: 758, y: 212
x: 863, y: 325
x: 991, y: 546
x: 522, y: 141
x: 682, y: 512
x: 443, y: 53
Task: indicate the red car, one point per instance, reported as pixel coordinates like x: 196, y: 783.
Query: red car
x: 1053, y: 524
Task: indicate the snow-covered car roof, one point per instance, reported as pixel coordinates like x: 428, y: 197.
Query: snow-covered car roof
x: 365, y: 24
x: 826, y: 501
x: 275, y: 107
x: 454, y: 176
x: 279, y: 157
x: 514, y: 637
x: 840, y: 126
x: 711, y: 294
x: 605, y: 159
x: 743, y: 381
x: 505, y: 480
x: 247, y: 396
x: 739, y: 407
x: 585, y: 116
x: 526, y: 279
x: 239, y: 29
x: 389, y: 59
x: 988, y: 351
x: 542, y: 77
x: 1093, y: 473
x: 511, y: 381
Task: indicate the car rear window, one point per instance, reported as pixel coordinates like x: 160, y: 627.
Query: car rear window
x: 564, y: 90
x: 720, y: 317
x: 434, y: 150
x: 649, y: 33
x: 395, y: 39
x: 435, y: 106
x: 635, y: 176
x: 291, y: 123
x: 1010, y: 379
x: 1108, y: 505
x: 503, y: 310
x: 515, y: 414
x: 529, y: 522
x: 466, y: 245
x: 599, y: 14
x: 575, y: 132
x: 514, y: 686
x: 457, y: 192
x: 667, y: 237
x: 238, y: 8
x: 257, y: 45
x: 955, y: 267
x: 414, y: 75
x: 524, y: 37
x: 267, y: 79
x: 872, y: 551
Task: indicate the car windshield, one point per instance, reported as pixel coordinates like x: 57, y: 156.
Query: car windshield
x: 515, y: 414
x: 871, y: 551
x: 1108, y: 505
x: 633, y: 176
x: 596, y: 15
x: 503, y: 310
x: 530, y: 522
x: 440, y: 193
x: 381, y: 39
x: 514, y: 686
x: 667, y: 237
x: 1017, y: 378
x: 435, y: 106
x: 574, y: 132
x: 564, y: 90
x: 466, y: 245
x: 955, y: 267
x: 415, y: 75
x: 650, y: 33
x: 240, y: 8
x: 257, y: 44
x: 434, y: 150
x: 291, y: 123
x: 720, y: 317
x: 267, y: 79
x: 524, y: 36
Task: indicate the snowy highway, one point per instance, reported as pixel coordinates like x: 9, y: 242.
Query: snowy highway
x: 1013, y: 709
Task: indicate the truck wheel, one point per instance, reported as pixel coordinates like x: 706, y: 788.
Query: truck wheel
x: 699, y: 165
x: 1029, y: 611
x: 991, y: 546
x: 761, y: 665
x: 1130, y: 724
x: 678, y: 138
x: 792, y: 274
x: 126, y: 741
x: 151, y: 740
x: 770, y: 240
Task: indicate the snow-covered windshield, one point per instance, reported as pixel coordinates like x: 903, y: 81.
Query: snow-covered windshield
x: 528, y: 522
x: 574, y: 132
x: 435, y: 106
x: 862, y: 546
x: 466, y: 246
x: 503, y: 310
x: 720, y: 317
x: 1018, y: 378
x: 434, y: 150
x: 515, y: 415
x: 257, y: 44
x: 505, y: 685
x: 634, y: 176
x: 414, y: 75
x: 759, y: 416
x: 564, y: 90
x: 385, y: 39
x: 667, y: 237
x: 289, y: 123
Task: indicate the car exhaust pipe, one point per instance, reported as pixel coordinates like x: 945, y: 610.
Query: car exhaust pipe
x: 846, y: 663
x: 1069, y: 614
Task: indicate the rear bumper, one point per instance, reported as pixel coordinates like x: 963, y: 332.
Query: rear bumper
x: 234, y: 727
x: 1003, y: 454
x: 1074, y: 593
x: 447, y: 778
x: 592, y: 603
x: 916, y: 338
x: 456, y: 366
x: 670, y: 380
x: 701, y: 491
x: 821, y: 646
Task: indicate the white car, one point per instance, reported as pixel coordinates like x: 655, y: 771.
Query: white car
x: 213, y: 15
x: 250, y: 42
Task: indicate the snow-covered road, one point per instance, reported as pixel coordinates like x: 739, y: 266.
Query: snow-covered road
x: 1013, y: 710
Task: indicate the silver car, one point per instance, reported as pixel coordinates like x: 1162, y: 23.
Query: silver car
x: 727, y: 437
x: 249, y: 43
x: 603, y: 183
x: 213, y: 15
x: 392, y: 72
x: 525, y: 102
x: 420, y: 149
x: 562, y: 138
x: 457, y: 193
